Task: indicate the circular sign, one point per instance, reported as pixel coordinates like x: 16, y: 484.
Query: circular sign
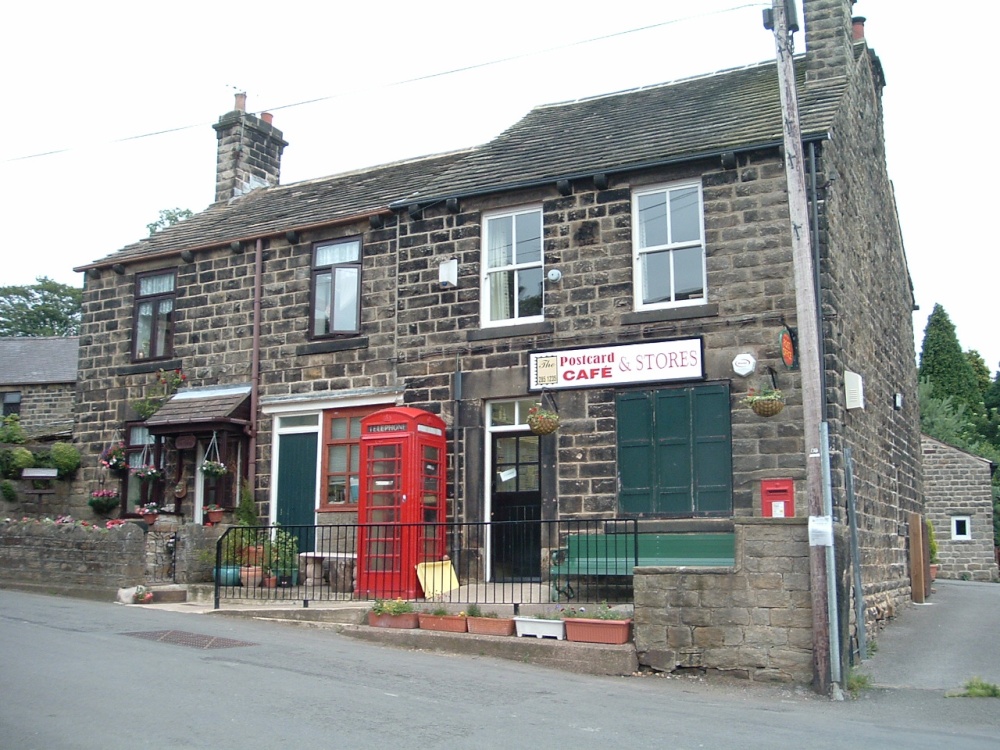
x: 788, y: 348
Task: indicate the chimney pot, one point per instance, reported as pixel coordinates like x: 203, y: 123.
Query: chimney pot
x: 241, y: 102
x: 266, y: 117
x: 858, y: 24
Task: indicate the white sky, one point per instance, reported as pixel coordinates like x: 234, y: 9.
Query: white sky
x: 85, y: 78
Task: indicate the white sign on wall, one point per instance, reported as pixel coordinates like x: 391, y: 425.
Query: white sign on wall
x: 617, y: 365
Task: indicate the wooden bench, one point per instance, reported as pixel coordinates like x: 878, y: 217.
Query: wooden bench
x: 618, y: 554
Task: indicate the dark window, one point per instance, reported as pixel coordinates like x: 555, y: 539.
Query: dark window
x: 142, y: 449
x: 11, y: 403
x: 336, y: 288
x: 154, y: 314
x: 675, y: 451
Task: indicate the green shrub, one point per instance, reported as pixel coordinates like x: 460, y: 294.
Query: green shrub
x: 932, y: 540
x: 65, y: 458
x: 20, y: 459
x: 8, y: 491
x: 11, y: 430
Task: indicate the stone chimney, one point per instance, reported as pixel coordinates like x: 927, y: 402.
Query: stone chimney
x: 858, y: 23
x: 249, y: 152
x: 829, y: 28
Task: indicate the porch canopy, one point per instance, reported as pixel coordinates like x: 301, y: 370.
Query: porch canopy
x: 202, y: 410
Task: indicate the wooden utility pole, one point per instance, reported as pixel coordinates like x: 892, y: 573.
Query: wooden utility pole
x: 807, y: 321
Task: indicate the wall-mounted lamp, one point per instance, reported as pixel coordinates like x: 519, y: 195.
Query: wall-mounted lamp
x: 601, y: 181
x: 94, y: 273
x: 187, y: 256
x: 414, y: 211
x: 376, y: 222
x: 236, y: 246
x: 554, y: 275
x: 119, y: 269
x: 729, y: 160
x: 452, y: 205
x: 897, y: 401
x: 292, y: 237
x: 564, y: 187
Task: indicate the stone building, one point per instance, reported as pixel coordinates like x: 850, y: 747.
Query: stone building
x: 625, y: 259
x: 958, y: 497
x: 38, y: 382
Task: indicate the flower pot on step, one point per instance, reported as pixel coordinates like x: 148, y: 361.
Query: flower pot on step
x: 534, y: 627
x: 586, y: 630
x: 407, y: 620
x: 490, y: 625
x: 447, y: 623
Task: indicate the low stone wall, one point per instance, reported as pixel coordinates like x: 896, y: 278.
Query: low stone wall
x: 71, y: 559
x: 754, y: 619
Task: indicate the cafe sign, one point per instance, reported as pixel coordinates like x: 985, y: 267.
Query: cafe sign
x: 624, y: 364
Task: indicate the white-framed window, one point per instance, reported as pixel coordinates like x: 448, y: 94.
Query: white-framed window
x: 668, y: 241
x: 961, y: 528
x: 336, y: 307
x: 512, y: 268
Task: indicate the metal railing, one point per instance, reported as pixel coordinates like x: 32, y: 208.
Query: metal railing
x: 506, y: 562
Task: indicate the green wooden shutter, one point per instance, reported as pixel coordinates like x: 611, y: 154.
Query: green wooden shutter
x: 673, y: 451
x: 636, y: 465
x: 712, y: 450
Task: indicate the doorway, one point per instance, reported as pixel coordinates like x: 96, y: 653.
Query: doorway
x: 516, y: 507
x: 296, y: 498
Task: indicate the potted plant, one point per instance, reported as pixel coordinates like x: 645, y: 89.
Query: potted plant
x: 600, y: 624
x: 766, y: 402
x: 284, y: 557
x: 488, y: 623
x: 149, y: 512
x: 213, y: 513
x: 393, y: 613
x: 228, y: 571
x: 214, y: 468
x: 147, y: 473
x: 542, y: 421
x: 142, y: 595
x: 544, y: 625
x: 103, y: 501
x: 440, y: 619
x: 113, y: 459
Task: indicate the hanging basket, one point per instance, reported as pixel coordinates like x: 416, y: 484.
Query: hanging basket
x: 213, y: 465
x: 767, y: 407
x: 542, y: 422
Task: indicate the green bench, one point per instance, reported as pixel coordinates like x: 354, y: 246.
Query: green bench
x: 618, y: 554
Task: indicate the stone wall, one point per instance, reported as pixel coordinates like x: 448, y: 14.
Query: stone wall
x: 958, y: 484
x: 46, y: 409
x: 754, y: 620
x: 70, y: 559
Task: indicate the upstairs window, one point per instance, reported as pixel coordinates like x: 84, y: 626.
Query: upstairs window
x: 154, y: 314
x: 336, y: 292
x: 669, y: 246
x: 512, y: 268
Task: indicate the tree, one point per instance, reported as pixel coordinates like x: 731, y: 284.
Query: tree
x: 169, y: 217
x: 944, y: 365
x: 980, y: 372
x: 46, y: 308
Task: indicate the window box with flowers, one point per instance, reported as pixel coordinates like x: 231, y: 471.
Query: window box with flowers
x: 441, y: 619
x: 213, y: 514
x: 540, y: 626
x: 103, y: 501
x: 149, y: 513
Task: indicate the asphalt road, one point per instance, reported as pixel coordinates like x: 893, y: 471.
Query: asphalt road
x: 72, y: 677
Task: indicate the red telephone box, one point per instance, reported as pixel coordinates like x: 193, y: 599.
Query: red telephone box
x: 401, y: 503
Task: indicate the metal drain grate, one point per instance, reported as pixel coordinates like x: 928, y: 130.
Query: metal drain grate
x: 193, y: 640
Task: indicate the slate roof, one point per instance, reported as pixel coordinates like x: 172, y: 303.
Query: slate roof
x: 29, y: 360
x: 296, y: 206
x: 729, y: 110
x: 201, y: 409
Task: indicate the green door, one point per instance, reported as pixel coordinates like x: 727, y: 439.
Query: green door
x: 675, y: 451
x: 296, y: 499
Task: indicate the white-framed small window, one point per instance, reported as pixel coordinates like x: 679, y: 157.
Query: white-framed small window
x: 668, y: 241
x: 512, y: 275
x: 961, y: 528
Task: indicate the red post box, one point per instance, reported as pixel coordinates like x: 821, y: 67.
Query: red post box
x: 401, y: 500
x: 777, y: 498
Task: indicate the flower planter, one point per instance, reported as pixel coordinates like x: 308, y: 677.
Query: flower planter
x: 149, y: 518
x: 407, y: 620
x: 490, y: 625
x: 585, y: 630
x: 767, y: 407
x: 214, y: 516
x: 447, y: 623
x: 227, y: 575
x: 250, y: 575
x: 534, y: 627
